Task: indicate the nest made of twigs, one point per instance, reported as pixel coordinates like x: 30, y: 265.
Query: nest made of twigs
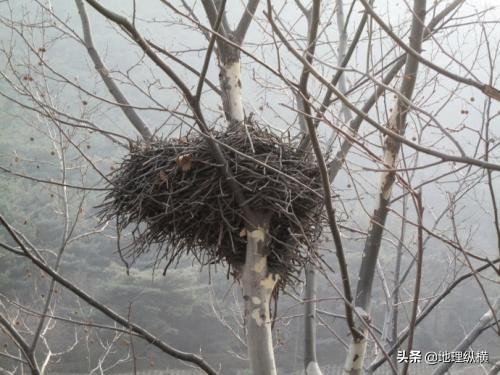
x: 173, y: 195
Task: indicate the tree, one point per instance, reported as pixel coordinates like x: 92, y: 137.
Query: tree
x: 368, y: 105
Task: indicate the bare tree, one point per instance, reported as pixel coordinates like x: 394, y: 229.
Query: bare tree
x: 397, y: 123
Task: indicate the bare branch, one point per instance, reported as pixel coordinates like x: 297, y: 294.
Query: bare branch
x: 155, y: 341
x: 210, y: 48
x: 306, y: 12
x: 211, y: 9
x: 365, y: 117
x: 190, y: 98
x: 486, y: 89
x: 418, y: 276
x: 23, y: 346
x: 315, y: 19
x: 402, y: 337
x: 110, y: 83
x: 246, y: 19
x: 487, y: 319
x: 171, y: 56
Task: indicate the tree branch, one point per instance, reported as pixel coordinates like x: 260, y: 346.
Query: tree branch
x: 325, y: 180
x: 23, y: 346
x: 211, y: 12
x: 487, y: 319
x: 242, y: 28
x: 365, y: 117
x: 402, y: 337
x: 190, y: 98
x: 210, y: 48
x: 171, y: 56
x: 418, y: 276
x: 113, y: 88
x: 338, y: 161
x: 486, y: 89
x: 184, y: 356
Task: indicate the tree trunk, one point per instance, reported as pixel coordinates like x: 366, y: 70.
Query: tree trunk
x: 355, y: 357
x: 390, y: 332
x: 396, y: 123
x: 258, y: 284
x: 230, y: 82
x: 310, y: 361
x: 395, y: 291
x: 256, y: 281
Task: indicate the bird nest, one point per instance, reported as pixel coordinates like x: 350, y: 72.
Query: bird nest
x: 174, y: 197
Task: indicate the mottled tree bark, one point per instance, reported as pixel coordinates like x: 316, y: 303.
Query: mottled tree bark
x: 229, y: 59
x: 256, y: 281
x: 230, y: 83
x: 257, y: 284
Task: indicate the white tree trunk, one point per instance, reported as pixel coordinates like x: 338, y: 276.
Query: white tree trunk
x: 256, y: 281
x: 310, y: 361
x: 230, y: 81
x: 257, y: 284
x: 313, y: 369
x: 355, y: 357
